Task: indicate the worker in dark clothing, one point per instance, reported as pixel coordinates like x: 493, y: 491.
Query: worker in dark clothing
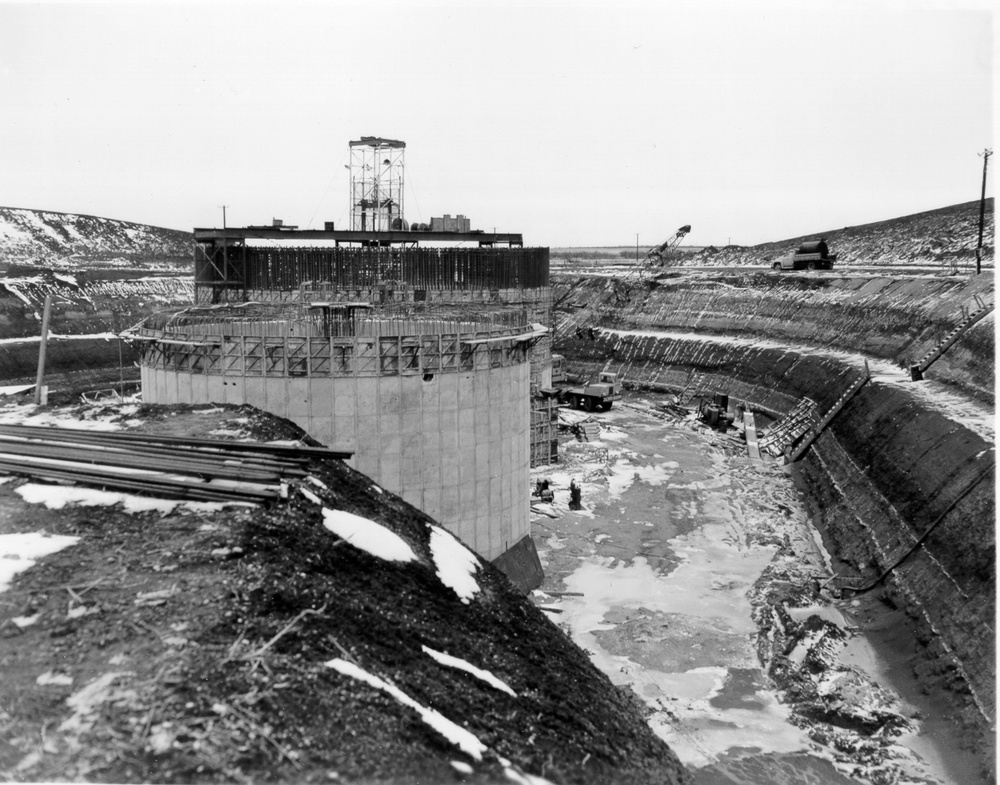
x: 591, y: 334
x: 574, y: 495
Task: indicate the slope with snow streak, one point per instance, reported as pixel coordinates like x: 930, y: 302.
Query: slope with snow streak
x: 458, y: 736
x: 959, y: 408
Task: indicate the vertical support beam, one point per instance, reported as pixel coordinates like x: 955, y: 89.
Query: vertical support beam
x: 41, y: 349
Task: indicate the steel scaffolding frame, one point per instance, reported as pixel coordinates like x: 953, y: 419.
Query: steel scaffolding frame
x: 377, y: 184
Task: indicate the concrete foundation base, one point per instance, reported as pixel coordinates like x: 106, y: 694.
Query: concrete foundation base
x: 520, y: 563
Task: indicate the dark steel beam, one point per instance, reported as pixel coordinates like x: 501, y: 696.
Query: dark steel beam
x: 218, y: 445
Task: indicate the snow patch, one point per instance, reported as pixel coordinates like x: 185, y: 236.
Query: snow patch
x: 56, y: 497
x: 368, y: 536
x: 15, y: 389
x: 456, y: 565
x: 311, y: 496
x: 458, y: 736
x: 59, y: 679
x: 462, y: 665
x: 18, y: 552
x: 85, y: 702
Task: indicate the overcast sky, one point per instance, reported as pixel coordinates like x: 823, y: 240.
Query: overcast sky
x: 575, y: 124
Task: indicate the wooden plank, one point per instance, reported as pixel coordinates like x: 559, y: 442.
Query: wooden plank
x: 750, y: 428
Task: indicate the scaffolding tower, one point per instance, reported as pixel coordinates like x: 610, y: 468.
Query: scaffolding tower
x: 377, y: 184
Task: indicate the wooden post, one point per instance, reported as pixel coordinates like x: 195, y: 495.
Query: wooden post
x: 41, y: 349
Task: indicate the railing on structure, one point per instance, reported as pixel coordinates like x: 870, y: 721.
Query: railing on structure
x: 332, y: 320
x: 255, y: 343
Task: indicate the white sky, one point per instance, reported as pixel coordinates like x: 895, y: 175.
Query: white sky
x: 574, y: 123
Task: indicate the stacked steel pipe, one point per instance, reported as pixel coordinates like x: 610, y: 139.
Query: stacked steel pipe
x: 169, y: 466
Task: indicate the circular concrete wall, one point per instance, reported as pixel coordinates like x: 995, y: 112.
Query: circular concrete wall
x: 435, y: 411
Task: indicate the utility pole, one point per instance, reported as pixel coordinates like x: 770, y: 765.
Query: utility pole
x: 982, y: 211
x: 40, y: 396
x: 637, y: 248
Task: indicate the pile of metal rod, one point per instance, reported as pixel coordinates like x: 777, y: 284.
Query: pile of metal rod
x: 168, y: 466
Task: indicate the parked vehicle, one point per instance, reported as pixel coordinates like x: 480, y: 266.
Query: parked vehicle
x: 810, y: 256
x: 596, y: 396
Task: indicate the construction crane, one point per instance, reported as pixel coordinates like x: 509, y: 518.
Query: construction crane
x: 656, y: 259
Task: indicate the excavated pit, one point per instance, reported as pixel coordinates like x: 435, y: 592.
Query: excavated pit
x: 903, y: 478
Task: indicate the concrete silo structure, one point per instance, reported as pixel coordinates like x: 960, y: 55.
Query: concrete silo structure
x: 421, y: 347
x: 434, y: 406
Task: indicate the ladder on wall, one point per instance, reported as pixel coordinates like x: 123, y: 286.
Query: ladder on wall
x: 918, y: 368
x: 814, y: 431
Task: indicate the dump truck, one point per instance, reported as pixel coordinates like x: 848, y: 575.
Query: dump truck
x: 596, y: 396
x: 810, y: 256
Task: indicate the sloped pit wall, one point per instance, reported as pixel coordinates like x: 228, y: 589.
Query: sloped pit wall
x: 888, y: 473
x: 894, y: 319
x: 886, y: 470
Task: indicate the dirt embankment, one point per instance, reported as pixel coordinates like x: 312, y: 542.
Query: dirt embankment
x: 903, y: 480
x: 238, y: 645
x: 946, y: 236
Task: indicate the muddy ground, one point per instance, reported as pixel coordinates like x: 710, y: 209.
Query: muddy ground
x: 694, y: 576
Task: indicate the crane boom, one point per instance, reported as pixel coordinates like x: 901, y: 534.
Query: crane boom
x: 661, y: 253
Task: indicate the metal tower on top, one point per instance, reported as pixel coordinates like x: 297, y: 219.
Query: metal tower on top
x: 377, y: 184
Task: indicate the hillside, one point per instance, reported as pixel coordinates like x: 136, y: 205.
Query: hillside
x: 946, y: 236
x: 336, y: 635
x: 39, y: 238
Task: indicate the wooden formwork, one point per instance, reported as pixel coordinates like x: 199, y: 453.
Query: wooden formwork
x: 544, y: 431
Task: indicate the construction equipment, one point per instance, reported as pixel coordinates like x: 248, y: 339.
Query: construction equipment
x: 656, y: 258
x: 810, y: 256
x: 595, y: 396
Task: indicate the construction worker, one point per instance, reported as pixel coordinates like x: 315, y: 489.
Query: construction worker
x: 574, y: 495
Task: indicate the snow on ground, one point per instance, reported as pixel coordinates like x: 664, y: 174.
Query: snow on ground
x: 19, y: 552
x: 456, y: 565
x: 15, y: 389
x: 625, y: 473
x: 366, y: 535
x: 958, y: 408
x: 462, y: 665
x: 311, y: 496
x: 60, y: 337
x: 95, y: 418
x: 86, y: 701
x: 56, y: 497
x: 457, y: 735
